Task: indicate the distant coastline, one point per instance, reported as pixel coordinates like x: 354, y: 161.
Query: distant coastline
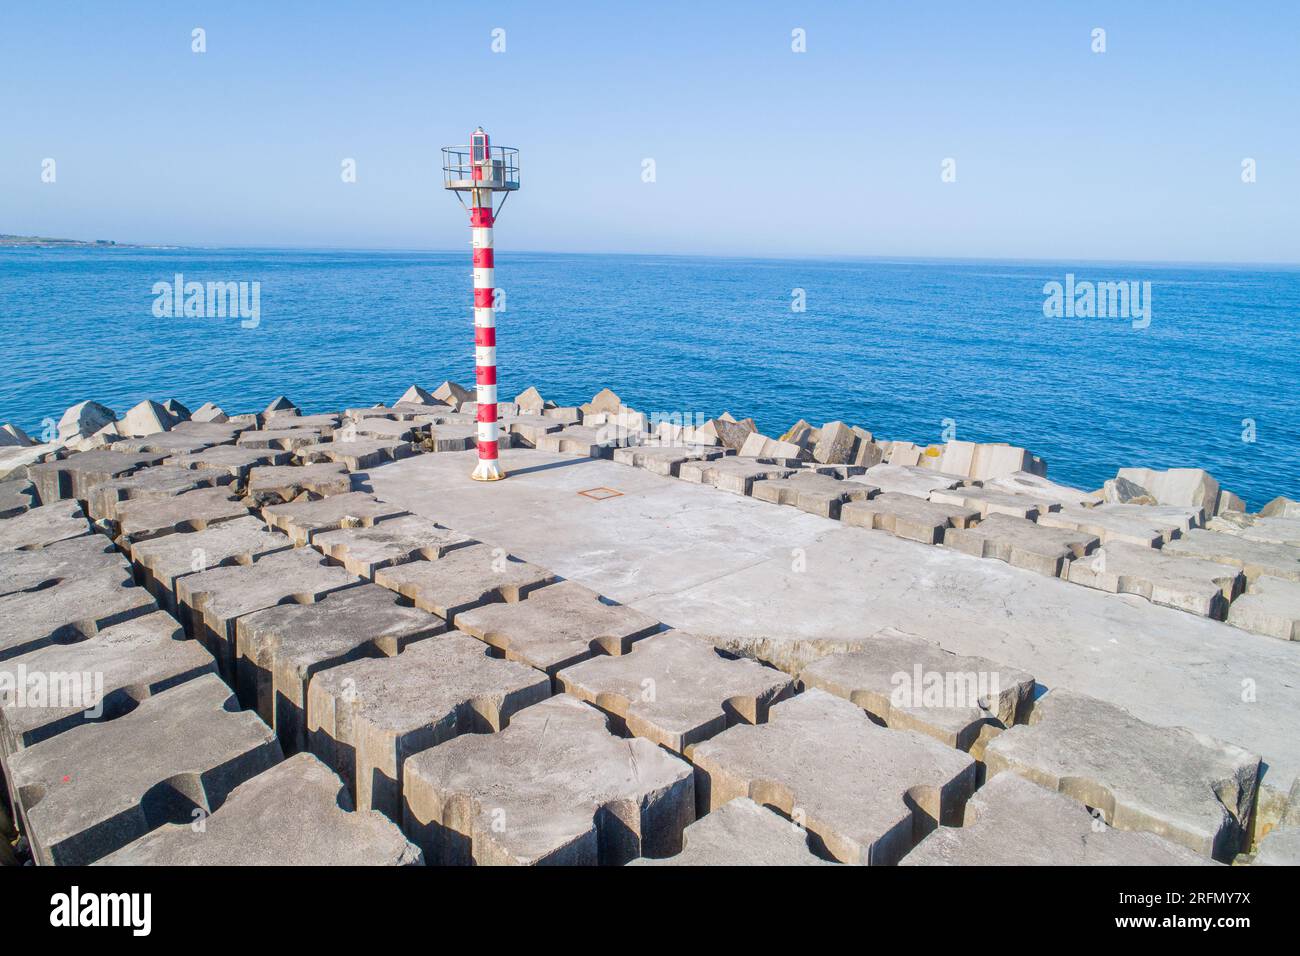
x: 45, y: 241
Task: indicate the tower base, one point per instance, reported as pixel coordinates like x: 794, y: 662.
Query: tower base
x: 488, y: 469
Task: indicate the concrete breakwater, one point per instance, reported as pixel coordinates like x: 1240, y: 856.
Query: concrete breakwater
x: 655, y: 642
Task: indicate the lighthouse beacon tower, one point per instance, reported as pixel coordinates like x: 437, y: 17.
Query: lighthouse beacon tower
x: 476, y: 172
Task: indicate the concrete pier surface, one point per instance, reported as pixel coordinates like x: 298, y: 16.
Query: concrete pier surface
x: 652, y: 642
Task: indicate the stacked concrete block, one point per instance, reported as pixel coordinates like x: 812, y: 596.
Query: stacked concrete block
x: 84, y: 419
x: 1276, y: 529
x: 554, y: 787
x: 382, y: 428
x: 666, y: 459
x: 1281, y: 845
x: 676, y: 689
x: 163, y: 481
x: 294, y: 814
x: 1281, y: 507
x: 867, y: 793
x: 209, y: 412
x: 557, y: 626
x: 741, y: 833
x: 98, y: 787
x: 358, y: 455
x: 906, y: 516
x: 281, y: 648
x: 1117, y: 524
x: 1188, y: 584
x: 1190, y: 487
x: 1255, y: 558
x: 734, y: 474
x: 1012, y: 822
x: 73, y: 477
x: 817, y: 494
x: 530, y: 401
x: 524, y: 430
x: 1026, y: 483
x: 276, y: 485
x: 42, y: 526
x: 302, y: 520
x: 728, y: 432
x: 233, y: 460
x: 1021, y: 543
x: 46, y: 566
x: 146, y: 418
x: 16, y: 496
x: 11, y: 436
x: 676, y: 434
x: 910, y: 684
x: 143, y: 518
x: 464, y: 578
x: 363, y: 551
x: 1180, y: 785
x: 284, y: 439
x: 760, y: 446
x: 15, y: 460
x: 1271, y: 607
x: 280, y: 406
x: 449, y: 393
x: 899, y: 479
x: 212, y: 601
x: 986, y: 502
x: 99, y: 678
x: 366, y: 717
x: 591, y: 441
x: 161, y: 562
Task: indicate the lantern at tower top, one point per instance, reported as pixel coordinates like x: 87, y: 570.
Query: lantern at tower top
x: 480, y: 165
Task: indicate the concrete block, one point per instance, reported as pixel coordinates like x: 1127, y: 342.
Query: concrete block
x: 359, y: 455
x: 606, y: 400
x: 675, y: 689
x: 146, y: 418
x: 589, y: 441
x: 43, y: 567
x: 72, y: 477
x: 997, y: 460
x: 1281, y: 507
x: 1270, y: 607
x: 294, y: 814
x: 102, y: 677
x: 1036, y: 486
x: 464, y: 578
x: 668, y: 432
x: 557, y: 626
x: 727, y: 432
x: 381, y: 411
x: 907, y: 683
x: 12, y: 436
x: 530, y: 401
x: 732, y: 473
x: 986, y: 502
x: 568, y: 414
x: 1129, y: 525
x: 366, y: 717
x: 363, y: 551
x: 302, y: 520
x: 903, y: 480
x: 1188, y: 584
x: 1021, y: 543
x: 451, y: 436
x: 905, y: 454
x: 526, y: 428
x: 84, y: 419
x: 74, y: 608
x: 42, y: 526
x: 382, y: 428
x: 280, y: 405
x: 415, y: 395
x: 449, y: 393
x: 1255, y: 558
x: 555, y: 787
x: 836, y: 444
x: 817, y: 494
x: 1268, y: 530
x: 16, y: 496
x: 1281, y: 845
x: 162, y: 561
x: 278, y: 484
x: 1192, y: 487
x: 741, y: 833
x: 211, y: 601
x: 15, y: 461
x: 162, y: 481
x: 281, y: 648
x: 760, y: 446
x: 1183, y: 786
x: 143, y: 518
x: 236, y: 461
x: 666, y: 460
x: 906, y: 516
x: 284, y: 439
x: 901, y: 785
x: 1012, y: 822
x: 209, y: 412
x: 94, y: 789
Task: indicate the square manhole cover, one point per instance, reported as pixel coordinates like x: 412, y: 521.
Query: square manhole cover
x: 600, y: 494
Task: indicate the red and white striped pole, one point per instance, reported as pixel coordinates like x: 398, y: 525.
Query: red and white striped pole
x: 485, y: 329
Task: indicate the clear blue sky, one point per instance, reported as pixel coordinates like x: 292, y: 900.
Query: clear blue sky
x: 1061, y: 153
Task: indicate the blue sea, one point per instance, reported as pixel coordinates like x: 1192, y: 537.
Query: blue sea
x: 908, y: 349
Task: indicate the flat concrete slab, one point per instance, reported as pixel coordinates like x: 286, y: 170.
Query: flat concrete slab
x: 1277, y: 529
x: 173, y: 442
x: 1012, y: 822
x: 908, y: 480
x: 302, y: 520
x: 101, y: 677
x: 74, y: 608
x: 1025, y: 483
x: 1271, y: 607
x: 557, y: 626
x: 745, y: 575
x: 1131, y: 525
x: 464, y: 578
x: 366, y: 717
x: 986, y: 502
x: 285, y: 439
x: 1188, y: 584
x: 901, y: 785
x: 384, y: 428
x: 910, y: 684
x: 525, y: 429
x: 161, y: 561
x: 72, y: 477
x: 43, y: 526
x: 162, y: 481
x: 1021, y: 543
x: 277, y: 484
x: 906, y: 516
x: 815, y: 493
x: 98, y: 787
x: 143, y: 518
x: 280, y: 649
x: 741, y: 833
x: 235, y: 461
x: 554, y: 787
x: 732, y: 473
x: 363, y: 551
x: 32, y: 570
x: 676, y: 690
x: 211, y: 601
x: 358, y: 455
x: 1185, y: 787
x: 1255, y: 558
x: 16, y: 496
x: 295, y: 814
